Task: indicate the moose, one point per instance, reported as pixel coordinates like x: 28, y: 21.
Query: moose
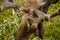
x: 35, y: 12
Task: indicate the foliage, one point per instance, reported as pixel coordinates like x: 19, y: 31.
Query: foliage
x: 8, y: 28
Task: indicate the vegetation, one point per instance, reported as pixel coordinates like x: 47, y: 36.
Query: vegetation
x: 9, y: 25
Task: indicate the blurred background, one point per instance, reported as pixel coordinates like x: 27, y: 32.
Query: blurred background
x: 9, y: 24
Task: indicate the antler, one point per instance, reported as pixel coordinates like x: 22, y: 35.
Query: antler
x: 8, y: 4
x: 52, y: 14
x: 44, y: 8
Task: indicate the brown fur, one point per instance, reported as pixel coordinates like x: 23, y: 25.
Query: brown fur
x: 31, y: 4
x: 36, y: 26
